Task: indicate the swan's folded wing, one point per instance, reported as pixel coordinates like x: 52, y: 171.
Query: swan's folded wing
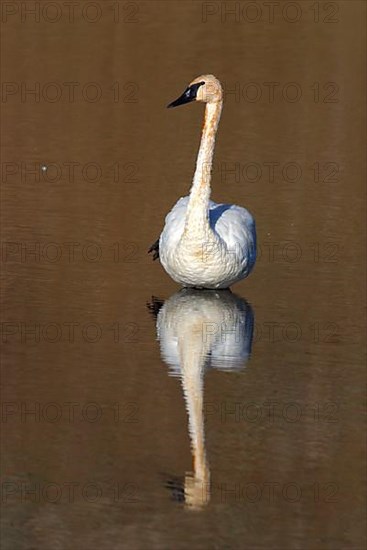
x: 236, y: 226
x: 174, y: 224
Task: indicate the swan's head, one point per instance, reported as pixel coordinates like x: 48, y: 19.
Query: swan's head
x: 204, y: 88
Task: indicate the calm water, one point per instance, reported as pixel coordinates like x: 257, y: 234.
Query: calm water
x: 135, y: 416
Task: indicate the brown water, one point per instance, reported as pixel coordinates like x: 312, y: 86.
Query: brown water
x: 96, y: 445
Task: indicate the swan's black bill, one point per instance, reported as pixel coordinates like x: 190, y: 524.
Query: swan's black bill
x: 189, y: 95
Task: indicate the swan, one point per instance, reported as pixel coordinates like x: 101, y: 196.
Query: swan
x: 205, y: 244
x: 197, y: 330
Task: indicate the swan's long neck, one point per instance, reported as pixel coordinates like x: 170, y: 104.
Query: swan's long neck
x: 197, y: 215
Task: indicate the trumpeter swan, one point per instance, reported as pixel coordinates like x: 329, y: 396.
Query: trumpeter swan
x: 198, y: 330
x: 204, y: 244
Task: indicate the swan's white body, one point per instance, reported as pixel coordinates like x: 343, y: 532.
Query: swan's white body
x: 215, y: 260
x: 204, y: 244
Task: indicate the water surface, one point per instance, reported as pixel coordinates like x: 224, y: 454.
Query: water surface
x: 109, y: 425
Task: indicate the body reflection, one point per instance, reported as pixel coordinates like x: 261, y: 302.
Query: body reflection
x: 198, y: 330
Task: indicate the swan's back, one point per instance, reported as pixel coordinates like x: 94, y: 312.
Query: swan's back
x: 234, y: 225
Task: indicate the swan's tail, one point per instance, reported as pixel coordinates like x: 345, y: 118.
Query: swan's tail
x: 155, y: 249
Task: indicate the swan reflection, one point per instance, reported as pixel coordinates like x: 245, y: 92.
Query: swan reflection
x: 200, y: 329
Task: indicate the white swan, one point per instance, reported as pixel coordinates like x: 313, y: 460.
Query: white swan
x: 198, y: 330
x: 204, y: 244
